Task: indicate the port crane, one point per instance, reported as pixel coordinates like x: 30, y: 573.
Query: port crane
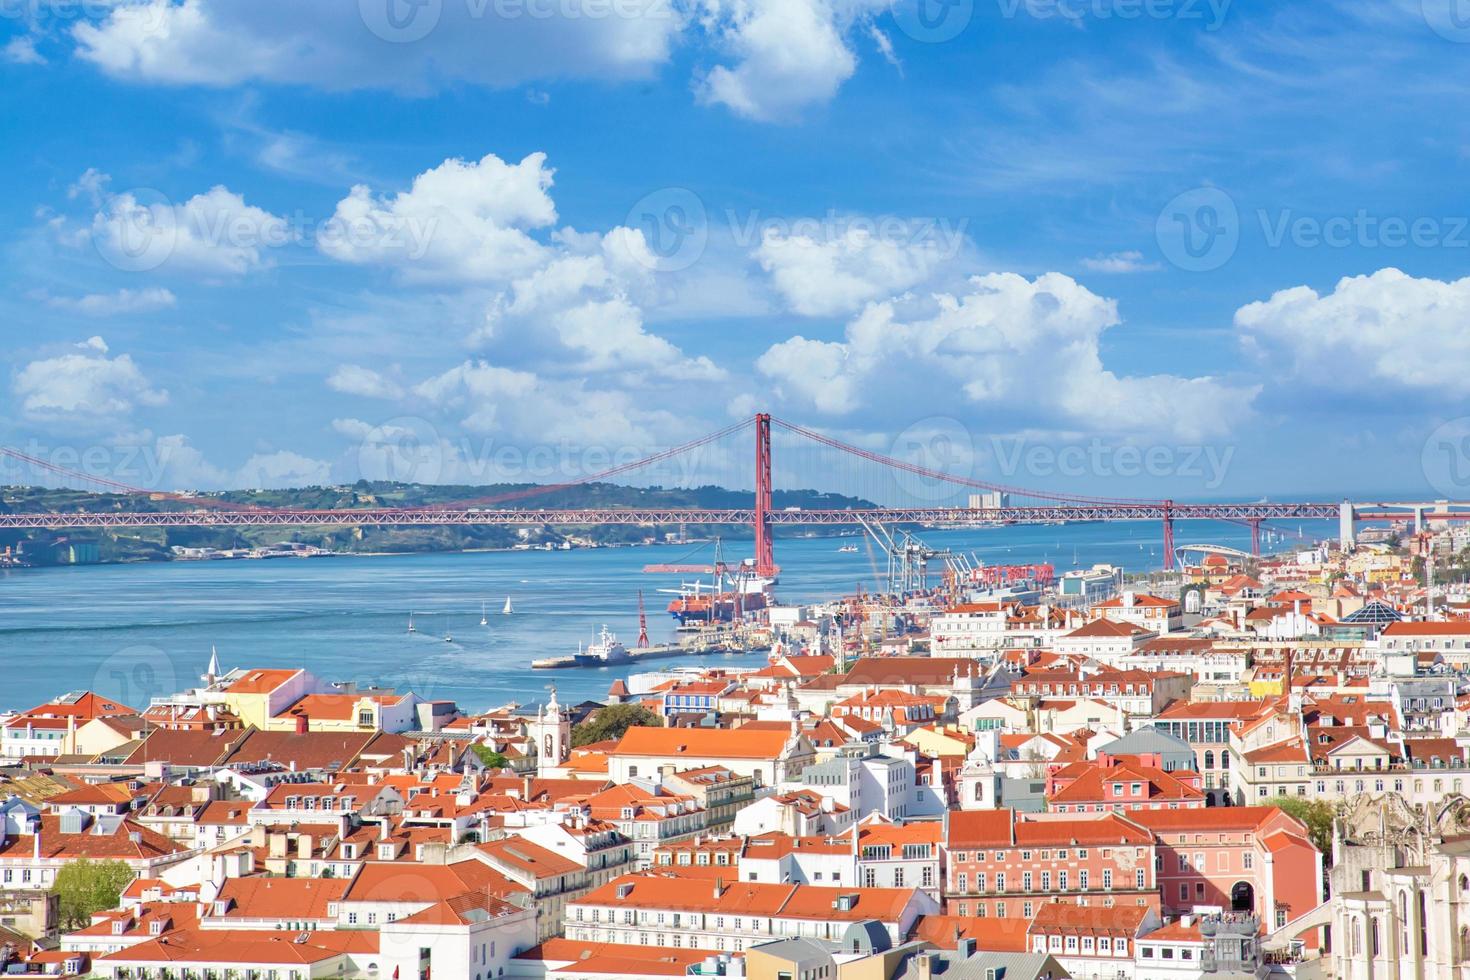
x: 908, y: 557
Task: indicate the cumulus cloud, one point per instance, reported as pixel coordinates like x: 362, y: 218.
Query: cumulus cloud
x: 353, y: 379
x: 215, y: 232
x: 583, y: 304
x: 786, y: 55
x: 493, y: 400
x: 112, y: 304
x: 461, y: 221
x: 84, y: 386
x: 283, y: 468
x: 357, y: 45
x: 1388, y: 328
x: 1025, y: 350
x: 775, y: 57
x: 838, y: 273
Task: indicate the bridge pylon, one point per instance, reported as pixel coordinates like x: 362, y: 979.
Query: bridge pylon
x: 765, y: 549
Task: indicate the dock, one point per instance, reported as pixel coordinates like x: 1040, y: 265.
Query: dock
x: 705, y: 644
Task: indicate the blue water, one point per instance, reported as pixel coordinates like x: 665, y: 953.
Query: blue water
x: 132, y: 632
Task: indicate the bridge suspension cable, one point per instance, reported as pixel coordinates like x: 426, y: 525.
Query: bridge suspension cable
x: 951, y: 478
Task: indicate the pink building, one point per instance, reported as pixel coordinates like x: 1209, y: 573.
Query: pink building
x: 1255, y: 859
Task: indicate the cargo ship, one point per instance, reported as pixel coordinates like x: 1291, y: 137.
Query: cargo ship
x: 693, y: 607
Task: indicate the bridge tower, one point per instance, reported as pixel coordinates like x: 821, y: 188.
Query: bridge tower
x: 1255, y: 539
x: 765, y: 550
x: 1168, y: 535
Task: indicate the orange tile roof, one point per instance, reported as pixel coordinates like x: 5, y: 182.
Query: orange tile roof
x: 717, y: 743
x: 261, y: 681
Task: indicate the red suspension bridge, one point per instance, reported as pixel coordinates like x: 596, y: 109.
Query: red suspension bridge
x: 184, y: 510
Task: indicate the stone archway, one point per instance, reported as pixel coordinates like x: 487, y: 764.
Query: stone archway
x: 1243, y: 897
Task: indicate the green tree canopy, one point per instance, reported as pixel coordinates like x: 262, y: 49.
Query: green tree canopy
x: 611, y: 722
x: 1316, y: 814
x: 84, y: 887
x: 489, y: 757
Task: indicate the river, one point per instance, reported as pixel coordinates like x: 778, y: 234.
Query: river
x: 132, y: 632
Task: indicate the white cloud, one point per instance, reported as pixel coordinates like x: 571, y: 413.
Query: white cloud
x: 460, y: 222
x: 493, y: 400
x: 578, y: 311
x: 22, y: 51
x: 214, y: 232
x: 788, y: 54
x: 1026, y: 351
x: 1120, y: 263
x: 1387, y: 328
x: 116, y: 303
x: 85, y: 387
x: 283, y: 468
x: 851, y: 266
x: 353, y: 379
x: 781, y: 56
x: 354, y: 45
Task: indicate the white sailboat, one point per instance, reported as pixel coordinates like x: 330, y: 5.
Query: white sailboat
x: 410, y: 624
x: 483, y: 620
x: 507, y: 610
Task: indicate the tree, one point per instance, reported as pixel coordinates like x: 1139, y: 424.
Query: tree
x: 489, y: 757
x: 1316, y: 814
x: 84, y: 887
x: 612, y: 721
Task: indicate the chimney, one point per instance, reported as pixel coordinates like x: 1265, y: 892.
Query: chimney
x: 36, y: 844
x: 303, y: 724
x: 719, y: 887
x: 966, y: 947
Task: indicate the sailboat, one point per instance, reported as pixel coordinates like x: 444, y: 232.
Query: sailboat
x: 507, y: 610
x: 410, y: 624
x: 483, y: 620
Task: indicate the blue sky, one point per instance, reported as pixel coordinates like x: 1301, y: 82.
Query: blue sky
x: 1166, y: 248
